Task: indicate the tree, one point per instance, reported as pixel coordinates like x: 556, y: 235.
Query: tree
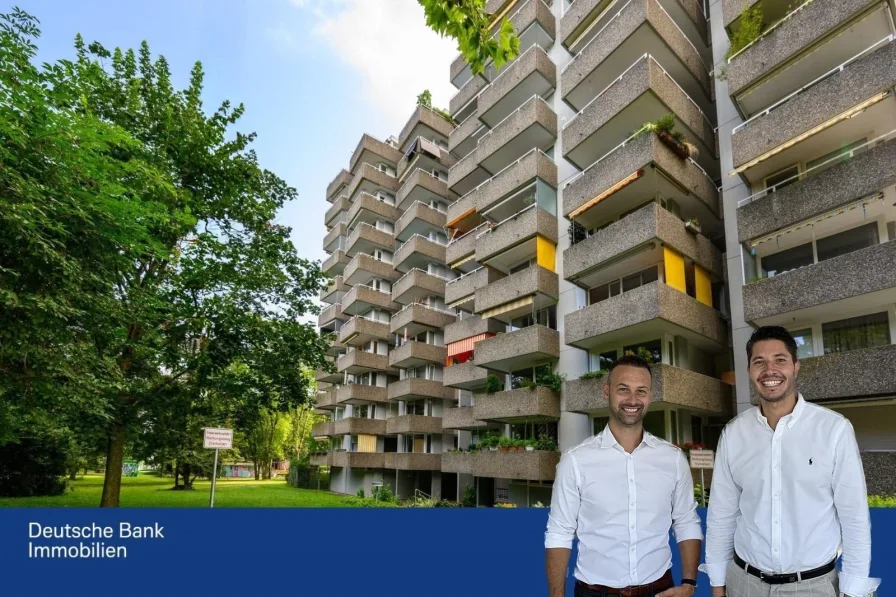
x: 469, y: 23
x: 425, y: 99
x: 143, y: 228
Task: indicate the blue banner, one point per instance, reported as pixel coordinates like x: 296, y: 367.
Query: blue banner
x: 369, y: 552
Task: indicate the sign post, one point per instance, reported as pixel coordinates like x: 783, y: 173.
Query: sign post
x: 702, y: 459
x: 216, y: 439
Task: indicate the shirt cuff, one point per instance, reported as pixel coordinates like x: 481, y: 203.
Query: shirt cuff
x: 857, y: 586
x: 716, y: 573
x: 686, y: 532
x: 555, y: 540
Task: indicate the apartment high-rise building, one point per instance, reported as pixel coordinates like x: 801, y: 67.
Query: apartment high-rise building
x: 807, y: 130
x: 628, y: 183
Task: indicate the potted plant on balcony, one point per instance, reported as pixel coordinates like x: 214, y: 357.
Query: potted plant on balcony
x: 545, y: 444
x: 505, y: 444
x: 598, y: 374
x: 664, y: 129
x: 552, y: 381
x: 493, y: 384
x: 529, y: 444
x: 693, y: 226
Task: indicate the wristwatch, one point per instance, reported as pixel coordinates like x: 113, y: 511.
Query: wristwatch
x: 689, y: 581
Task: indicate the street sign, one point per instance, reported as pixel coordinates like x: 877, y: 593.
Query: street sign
x: 217, y: 439
x: 701, y: 458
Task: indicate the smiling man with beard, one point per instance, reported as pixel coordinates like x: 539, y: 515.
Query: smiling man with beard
x: 788, y: 491
x: 620, y: 493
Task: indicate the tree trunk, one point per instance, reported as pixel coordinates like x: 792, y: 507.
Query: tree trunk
x: 114, y: 460
x: 188, y: 482
x: 176, y: 472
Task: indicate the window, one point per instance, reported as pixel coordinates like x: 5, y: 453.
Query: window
x: 546, y: 317
x: 804, y: 348
x: 891, y: 230
x: 599, y: 423
x: 855, y: 333
x: 520, y: 267
x: 385, y: 226
x: 847, y: 241
x: 843, y: 153
x: 385, y: 197
x: 779, y: 180
x: 611, y: 289
x: 529, y: 373
x: 788, y: 259
x: 381, y: 255
x: 605, y: 360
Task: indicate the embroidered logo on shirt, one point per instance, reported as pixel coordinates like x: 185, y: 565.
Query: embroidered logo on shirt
x: 810, y: 462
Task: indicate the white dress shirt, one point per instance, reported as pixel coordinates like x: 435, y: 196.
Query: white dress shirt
x: 788, y: 499
x: 621, y: 507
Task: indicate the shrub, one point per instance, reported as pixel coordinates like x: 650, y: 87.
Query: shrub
x: 528, y: 384
x: 493, y: 384
x: 577, y: 233
x: 594, y: 374
x: 750, y: 29
x: 469, y: 498
x: 360, y: 493
x: 33, y: 466
x: 553, y: 381
x: 545, y: 443
x: 505, y: 505
x: 882, y: 501
x: 384, y: 494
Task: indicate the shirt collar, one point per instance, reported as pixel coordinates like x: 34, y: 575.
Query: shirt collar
x: 606, y: 439
x: 790, y: 419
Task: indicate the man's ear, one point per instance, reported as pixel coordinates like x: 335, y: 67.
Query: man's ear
x: 607, y: 389
x: 796, y: 368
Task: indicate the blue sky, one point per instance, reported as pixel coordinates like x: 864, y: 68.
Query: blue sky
x: 313, y: 74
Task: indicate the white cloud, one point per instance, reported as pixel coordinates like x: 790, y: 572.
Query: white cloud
x: 393, y: 51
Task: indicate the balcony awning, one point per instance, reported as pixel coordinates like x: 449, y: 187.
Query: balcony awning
x: 614, y: 189
x: 522, y: 302
x: 453, y: 223
x: 467, y: 344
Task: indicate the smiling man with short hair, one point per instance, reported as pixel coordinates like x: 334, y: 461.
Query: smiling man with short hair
x: 620, y: 492
x: 788, y: 491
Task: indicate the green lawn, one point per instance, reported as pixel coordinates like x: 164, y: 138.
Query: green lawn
x: 151, y: 491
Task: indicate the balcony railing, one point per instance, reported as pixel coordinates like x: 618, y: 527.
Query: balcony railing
x: 770, y: 29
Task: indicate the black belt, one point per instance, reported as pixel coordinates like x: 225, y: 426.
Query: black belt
x: 787, y: 577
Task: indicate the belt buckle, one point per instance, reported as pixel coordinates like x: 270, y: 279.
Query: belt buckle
x: 627, y: 592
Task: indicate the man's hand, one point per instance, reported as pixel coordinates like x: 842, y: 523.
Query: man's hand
x: 681, y: 591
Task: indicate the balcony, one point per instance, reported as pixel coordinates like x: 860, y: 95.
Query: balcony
x: 467, y: 173
x: 323, y: 376
x: 457, y: 462
x: 342, y: 204
x: 359, y: 331
x: 464, y: 376
x: 808, y: 42
x: 643, y: 314
x: 463, y: 139
x: 843, y: 106
x: 356, y: 425
x: 584, y: 20
x: 371, y: 150
x: 529, y: 466
x: 331, y: 294
x: 335, y: 264
x: 416, y: 286
x: 857, y: 177
x: 357, y: 362
x: 414, y: 354
x: 361, y: 394
x: 413, y: 388
x: 644, y: 92
x: 361, y: 299
x: 421, y: 186
x: 369, y: 209
x: 413, y: 461
x: 364, y: 268
x: 634, y: 243
x: 533, y: 165
x: 413, y: 424
x: 417, y: 252
x: 365, y: 238
x: 518, y: 406
x: 342, y: 181
x: 493, y: 246
x: 671, y: 385
x: 326, y: 399
x: 471, y: 326
x: 641, y: 167
x: 640, y: 27
x: 868, y: 273
x: 531, y: 289
x: 525, y: 347
x: 532, y: 125
x: 424, y: 121
x: 335, y: 238
x: 460, y: 292
x: 420, y: 219
x: 463, y: 103
x: 845, y: 376
x: 357, y: 459
x: 322, y: 430
x: 461, y: 418
x: 319, y: 459
x: 330, y: 314
x: 417, y: 318
x: 461, y: 250
x: 533, y: 73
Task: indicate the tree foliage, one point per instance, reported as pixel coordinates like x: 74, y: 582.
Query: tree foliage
x: 469, y: 23
x: 140, y: 261
x: 425, y: 99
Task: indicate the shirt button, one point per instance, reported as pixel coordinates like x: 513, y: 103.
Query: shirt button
x: 776, y: 522
x: 633, y: 549
x: 633, y: 526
